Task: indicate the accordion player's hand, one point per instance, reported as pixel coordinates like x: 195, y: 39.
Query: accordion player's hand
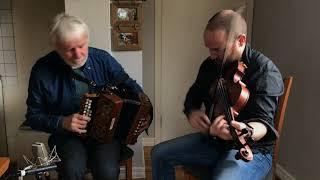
x: 144, y: 124
x: 75, y: 123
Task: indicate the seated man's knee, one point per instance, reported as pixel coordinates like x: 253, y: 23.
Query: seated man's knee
x: 106, y: 170
x: 107, y: 173
x: 158, y: 152
x: 73, y: 170
x: 172, y: 147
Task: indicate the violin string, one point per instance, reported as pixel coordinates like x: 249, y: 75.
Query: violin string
x: 222, y: 90
x: 214, y: 102
x: 226, y: 104
x: 227, y: 109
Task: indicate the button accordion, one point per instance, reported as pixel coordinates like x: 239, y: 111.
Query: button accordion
x: 116, y: 114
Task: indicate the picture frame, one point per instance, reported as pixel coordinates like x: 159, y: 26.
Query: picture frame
x: 126, y: 39
x: 126, y: 13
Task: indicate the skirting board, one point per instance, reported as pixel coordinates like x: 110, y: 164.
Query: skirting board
x: 283, y: 174
x: 148, y: 141
x: 137, y: 172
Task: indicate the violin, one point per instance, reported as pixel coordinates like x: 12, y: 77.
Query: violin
x: 233, y: 96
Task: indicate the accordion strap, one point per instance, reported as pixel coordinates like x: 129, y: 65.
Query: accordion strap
x: 91, y: 83
x: 83, y: 79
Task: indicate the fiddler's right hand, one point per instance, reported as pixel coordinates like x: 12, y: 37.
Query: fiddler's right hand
x: 199, y: 120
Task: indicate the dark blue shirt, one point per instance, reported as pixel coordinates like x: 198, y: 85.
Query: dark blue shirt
x: 263, y: 81
x: 52, y: 87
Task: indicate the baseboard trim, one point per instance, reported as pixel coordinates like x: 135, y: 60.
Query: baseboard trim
x: 148, y: 141
x: 137, y: 172
x: 283, y: 174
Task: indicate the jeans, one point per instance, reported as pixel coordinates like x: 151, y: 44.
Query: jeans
x: 197, y: 150
x: 76, y: 153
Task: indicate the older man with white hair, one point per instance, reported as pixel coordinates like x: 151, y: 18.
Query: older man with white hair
x: 54, y: 98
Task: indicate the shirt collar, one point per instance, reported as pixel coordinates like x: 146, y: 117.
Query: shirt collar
x: 246, y: 55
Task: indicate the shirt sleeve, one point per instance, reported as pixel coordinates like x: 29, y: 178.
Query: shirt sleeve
x: 264, y: 94
x: 194, y: 97
x: 37, y: 116
x: 262, y: 110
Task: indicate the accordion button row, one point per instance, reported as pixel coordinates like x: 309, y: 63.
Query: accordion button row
x: 87, y: 108
x: 136, y: 131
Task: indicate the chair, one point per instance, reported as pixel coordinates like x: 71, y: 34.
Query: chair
x: 193, y: 174
x: 126, y: 153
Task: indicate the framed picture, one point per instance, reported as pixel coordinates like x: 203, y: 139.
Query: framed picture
x: 126, y: 13
x: 126, y: 39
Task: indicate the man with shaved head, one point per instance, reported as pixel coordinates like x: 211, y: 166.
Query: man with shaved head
x: 212, y: 146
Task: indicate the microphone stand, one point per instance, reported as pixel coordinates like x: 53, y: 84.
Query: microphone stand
x: 37, y: 171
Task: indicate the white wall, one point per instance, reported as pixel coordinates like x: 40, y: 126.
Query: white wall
x: 6, y: 47
x: 148, y: 75
x: 31, y: 28
x: 288, y: 32
x: 96, y: 14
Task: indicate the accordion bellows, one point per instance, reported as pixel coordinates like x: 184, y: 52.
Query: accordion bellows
x: 122, y: 115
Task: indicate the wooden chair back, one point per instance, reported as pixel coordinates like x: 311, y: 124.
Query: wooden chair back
x: 279, y: 120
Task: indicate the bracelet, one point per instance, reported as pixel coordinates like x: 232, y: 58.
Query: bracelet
x: 213, y: 137
x: 249, y: 132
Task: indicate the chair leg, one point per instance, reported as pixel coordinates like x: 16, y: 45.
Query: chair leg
x: 129, y: 169
x: 277, y: 177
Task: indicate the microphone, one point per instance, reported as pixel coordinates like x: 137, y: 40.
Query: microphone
x: 44, y: 162
x: 40, y: 153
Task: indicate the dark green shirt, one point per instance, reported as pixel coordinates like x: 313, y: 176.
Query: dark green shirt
x: 81, y: 87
